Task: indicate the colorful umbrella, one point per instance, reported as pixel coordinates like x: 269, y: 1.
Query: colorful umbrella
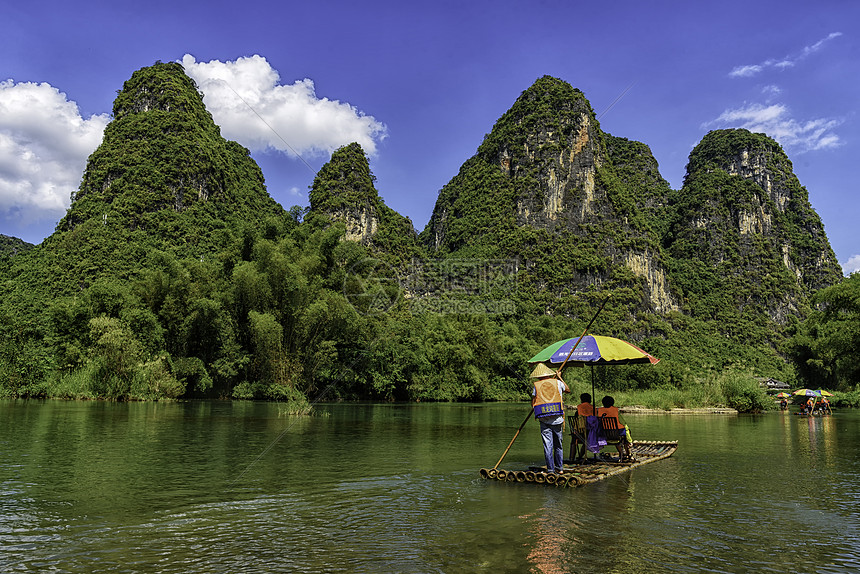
x: 783, y: 396
x: 807, y: 393
x: 593, y: 350
x: 825, y: 393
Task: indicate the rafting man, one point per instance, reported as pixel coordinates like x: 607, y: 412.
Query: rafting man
x: 549, y: 411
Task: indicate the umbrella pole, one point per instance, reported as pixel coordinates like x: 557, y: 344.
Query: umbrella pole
x: 593, y: 395
x: 504, y: 454
x: 572, y: 349
x: 594, y: 407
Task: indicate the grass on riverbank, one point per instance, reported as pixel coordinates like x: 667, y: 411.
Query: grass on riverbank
x: 734, y: 390
x: 743, y: 398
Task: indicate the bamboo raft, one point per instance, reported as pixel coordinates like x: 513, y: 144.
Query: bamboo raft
x: 593, y: 470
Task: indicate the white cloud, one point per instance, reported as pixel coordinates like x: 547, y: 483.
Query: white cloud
x: 817, y: 46
x: 775, y: 120
x: 771, y: 91
x: 44, y: 145
x: 852, y: 265
x: 745, y: 71
x: 45, y: 142
x: 749, y: 70
x: 245, y: 98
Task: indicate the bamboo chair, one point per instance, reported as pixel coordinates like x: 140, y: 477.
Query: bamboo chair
x: 612, y: 433
x: 577, y: 434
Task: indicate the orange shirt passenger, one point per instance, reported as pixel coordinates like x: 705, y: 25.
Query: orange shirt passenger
x: 584, y: 409
x: 610, y: 410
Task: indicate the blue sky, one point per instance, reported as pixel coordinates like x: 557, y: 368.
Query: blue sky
x: 420, y: 84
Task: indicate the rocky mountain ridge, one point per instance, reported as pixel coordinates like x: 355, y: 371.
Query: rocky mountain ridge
x: 582, y: 211
x: 578, y: 210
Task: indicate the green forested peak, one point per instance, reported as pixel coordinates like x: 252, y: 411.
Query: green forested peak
x: 720, y: 149
x: 549, y: 109
x: 163, y: 178
x: 553, y: 91
x: 743, y: 213
x: 344, y: 190
x: 162, y: 86
x: 163, y: 153
x: 344, y: 181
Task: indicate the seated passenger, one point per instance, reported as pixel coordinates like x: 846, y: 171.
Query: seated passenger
x: 610, y: 410
x: 583, y: 409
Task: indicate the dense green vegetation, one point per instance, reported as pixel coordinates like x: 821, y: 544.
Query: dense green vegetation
x: 825, y: 347
x: 10, y: 246
x: 734, y: 389
x: 175, y: 275
x: 271, y: 317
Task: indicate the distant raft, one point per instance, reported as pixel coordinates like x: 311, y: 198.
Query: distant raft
x: 593, y: 470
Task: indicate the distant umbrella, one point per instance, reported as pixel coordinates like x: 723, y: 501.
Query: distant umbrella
x: 783, y: 396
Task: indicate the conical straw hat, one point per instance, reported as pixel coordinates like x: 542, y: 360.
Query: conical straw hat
x: 541, y: 370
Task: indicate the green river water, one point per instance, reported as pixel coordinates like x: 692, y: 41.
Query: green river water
x: 205, y: 487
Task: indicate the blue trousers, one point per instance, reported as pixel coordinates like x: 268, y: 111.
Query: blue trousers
x: 553, y: 452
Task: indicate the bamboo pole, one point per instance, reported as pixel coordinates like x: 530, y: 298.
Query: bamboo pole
x: 504, y: 454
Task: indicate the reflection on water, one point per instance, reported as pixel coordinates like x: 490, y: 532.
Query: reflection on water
x: 234, y: 487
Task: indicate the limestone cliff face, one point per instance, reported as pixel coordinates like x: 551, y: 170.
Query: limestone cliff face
x: 752, y: 165
x: 644, y: 265
x: 551, y: 144
x: 743, y: 213
x: 544, y: 188
x: 569, y: 176
x: 814, y: 265
x: 361, y: 223
x: 343, y: 189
